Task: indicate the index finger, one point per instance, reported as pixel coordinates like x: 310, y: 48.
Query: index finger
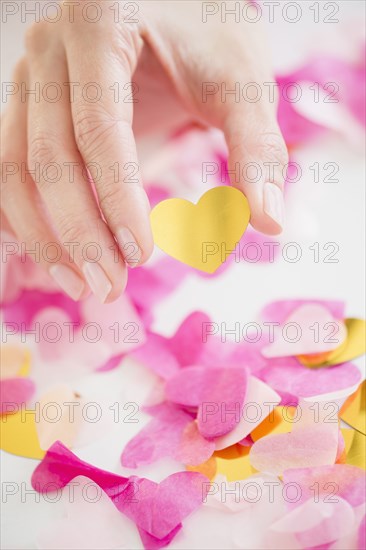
x: 103, y: 131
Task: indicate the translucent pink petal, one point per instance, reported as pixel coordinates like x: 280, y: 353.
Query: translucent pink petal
x: 295, y: 128
x: 147, y: 286
x: 362, y: 534
x: 21, y: 273
x: 302, y: 338
x: 31, y: 302
x: 128, y: 331
x: 222, y: 401
x: 155, y: 355
x: 325, y: 69
x: 280, y: 310
x: 259, y: 402
x: 318, y: 523
x: 55, y: 335
x: 193, y: 448
x: 309, y: 447
x: 14, y: 393
x: 337, y: 480
x: 218, y: 393
x: 156, y: 194
x: 159, y: 439
x: 187, y: 386
x: 187, y: 344
x: 217, y: 353
x: 288, y: 377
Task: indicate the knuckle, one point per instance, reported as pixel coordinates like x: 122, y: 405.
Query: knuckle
x: 33, y: 238
x: 91, y: 128
x: 42, y: 150
x: 126, y: 47
x: 110, y: 199
x: 273, y: 147
x: 70, y: 231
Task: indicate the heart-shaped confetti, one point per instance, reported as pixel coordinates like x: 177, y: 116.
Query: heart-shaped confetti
x: 201, y: 235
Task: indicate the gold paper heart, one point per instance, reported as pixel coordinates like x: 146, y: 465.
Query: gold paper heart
x: 352, y: 347
x: 201, y: 235
x: 353, y: 411
x: 355, y: 448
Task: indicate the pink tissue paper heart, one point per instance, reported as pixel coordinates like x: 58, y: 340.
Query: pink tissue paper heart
x: 15, y: 392
x: 308, y: 329
x: 154, y: 507
x: 218, y: 393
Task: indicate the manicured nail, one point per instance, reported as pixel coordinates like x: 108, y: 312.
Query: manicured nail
x: 97, y: 280
x: 129, y: 247
x: 273, y: 203
x: 68, y: 280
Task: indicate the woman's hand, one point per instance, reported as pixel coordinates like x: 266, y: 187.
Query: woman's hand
x: 181, y: 58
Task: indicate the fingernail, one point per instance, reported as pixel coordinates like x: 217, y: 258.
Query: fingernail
x: 97, y: 280
x: 68, y: 280
x: 129, y: 247
x: 273, y: 203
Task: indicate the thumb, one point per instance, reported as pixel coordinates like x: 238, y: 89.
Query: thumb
x: 257, y: 163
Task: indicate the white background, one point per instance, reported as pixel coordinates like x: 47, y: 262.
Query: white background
x: 316, y: 212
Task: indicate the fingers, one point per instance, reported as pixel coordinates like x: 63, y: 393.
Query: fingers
x: 258, y: 155
x: 68, y: 194
x: 257, y: 163
x: 21, y: 204
x: 104, y: 137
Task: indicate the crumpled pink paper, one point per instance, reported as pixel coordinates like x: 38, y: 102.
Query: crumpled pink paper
x: 332, y: 481
x: 196, y: 342
x: 293, y: 380
x: 303, y: 339
x: 332, y: 497
x: 348, y: 76
x: 279, y: 311
x: 21, y: 273
x: 148, y: 285
x: 318, y: 523
x: 313, y: 441
x: 362, y: 534
x: 174, y: 432
x: 259, y: 403
x: 218, y: 393
x: 160, y: 437
x: 14, y: 393
x: 193, y: 448
x: 156, y: 355
x: 312, y: 446
x: 154, y: 507
x: 20, y: 314
x: 297, y: 126
x: 98, y: 333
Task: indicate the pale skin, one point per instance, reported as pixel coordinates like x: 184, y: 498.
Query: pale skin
x: 169, y: 53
